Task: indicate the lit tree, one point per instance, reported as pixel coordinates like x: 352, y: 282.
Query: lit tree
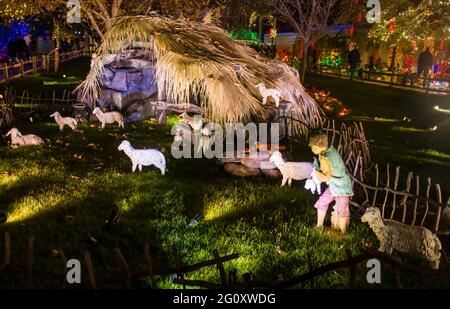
x: 99, y: 14
x: 405, y: 21
x: 311, y: 18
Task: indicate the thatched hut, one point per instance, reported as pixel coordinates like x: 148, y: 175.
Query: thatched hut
x: 199, y: 60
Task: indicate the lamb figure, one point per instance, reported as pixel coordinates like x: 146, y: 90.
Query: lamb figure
x: 291, y: 170
x: 143, y: 157
x: 64, y: 121
x: 265, y: 93
x: 110, y: 117
x: 18, y: 140
x: 313, y: 184
x: 404, y: 238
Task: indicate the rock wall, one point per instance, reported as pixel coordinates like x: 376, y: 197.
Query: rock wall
x: 126, y: 80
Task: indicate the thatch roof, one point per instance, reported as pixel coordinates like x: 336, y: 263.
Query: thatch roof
x: 195, y: 58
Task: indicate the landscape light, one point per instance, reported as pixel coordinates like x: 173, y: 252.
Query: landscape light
x: 3, y: 218
x: 434, y: 128
x: 436, y: 107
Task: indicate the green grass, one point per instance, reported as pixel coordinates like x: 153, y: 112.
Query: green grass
x: 74, y: 70
x: 63, y: 192
x: 42, y: 198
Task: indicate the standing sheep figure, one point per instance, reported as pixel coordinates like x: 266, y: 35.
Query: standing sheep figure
x: 143, y: 157
x: 64, y: 121
x: 110, y: 117
x: 18, y: 140
x: 291, y: 170
x: 404, y: 238
x: 265, y: 93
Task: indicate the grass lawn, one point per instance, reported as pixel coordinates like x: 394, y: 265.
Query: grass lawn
x: 74, y: 71
x: 412, y: 145
x: 63, y: 192
x: 250, y: 217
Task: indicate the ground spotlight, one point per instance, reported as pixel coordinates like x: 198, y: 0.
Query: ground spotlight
x: 436, y: 107
x: 3, y: 218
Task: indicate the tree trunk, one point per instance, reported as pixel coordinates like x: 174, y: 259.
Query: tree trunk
x: 394, y: 55
x: 260, y: 27
x: 304, y: 63
x: 58, y: 45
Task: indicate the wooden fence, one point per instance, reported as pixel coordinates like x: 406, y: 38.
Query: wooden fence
x: 90, y: 280
x: 389, y: 78
x: 228, y: 280
x: 14, y: 97
x: 410, y: 205
x: 32, y: 66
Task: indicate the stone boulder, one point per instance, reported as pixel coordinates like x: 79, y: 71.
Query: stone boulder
x: 241, y: 170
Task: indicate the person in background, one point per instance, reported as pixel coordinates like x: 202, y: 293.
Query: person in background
x: 21, y: 48
x: 330, y: 168
x: 354, y: 59
x: 424, y: 64
x: 27, y: 39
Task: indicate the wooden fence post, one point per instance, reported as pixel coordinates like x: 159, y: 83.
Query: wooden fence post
x: 7, y: 248
x: 91, y: 277
x: 6, y: 72
x: 223, y: 278
x: 439, y: 209
x: 310, y: 269
x: 177, y: 258
x: 22, y: 68
x: 35, y: 64
x: 148, y: 261
x: 126, y: 270
x: 64, y: 262
x: 352, y: 270
x: 30, y: 262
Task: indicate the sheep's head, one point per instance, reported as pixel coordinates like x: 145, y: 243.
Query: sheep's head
x: 124, y: 145
x: 96, y: 111
x: 55, y: 114
x: 260, y: 85
x: 14, y: 132
x: 276, y: 157
x: 371, y: 214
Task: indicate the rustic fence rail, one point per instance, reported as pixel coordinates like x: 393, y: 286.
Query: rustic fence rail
x: 389, y: 78
x: 33, y: 65
x: 93, y: 281
x: 15, y: 97
x: 228, y: 280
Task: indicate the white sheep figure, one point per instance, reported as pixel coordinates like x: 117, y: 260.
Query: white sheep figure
x: 143, y: 157
x: 265, y: 93
x: 110, y: 117
x: 313, y: 184
x: 291, y: 170
x: 404, y: 238
x: 64, y: 121
x: 18, y: 140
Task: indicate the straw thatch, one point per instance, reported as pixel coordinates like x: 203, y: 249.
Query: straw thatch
x: 198, y: 59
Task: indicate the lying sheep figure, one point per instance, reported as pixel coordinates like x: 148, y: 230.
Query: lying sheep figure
x: 18, y: 140
x: 110, y: 117
x: 64, y: 121
x: 143, y: 157
x: 404, y: 238
x: 291, y: 170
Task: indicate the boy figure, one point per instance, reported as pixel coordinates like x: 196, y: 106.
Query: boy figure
x: 331, y: 169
